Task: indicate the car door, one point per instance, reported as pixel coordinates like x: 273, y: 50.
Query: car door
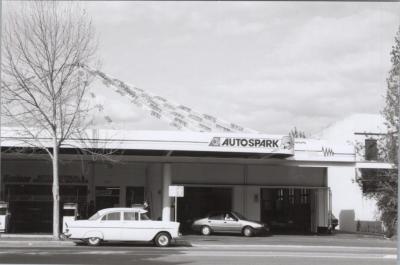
x: 216, y: 222
x: 110, y: 226
x: 131, y: 230
x: 231, y: 224
x: 137, y: 226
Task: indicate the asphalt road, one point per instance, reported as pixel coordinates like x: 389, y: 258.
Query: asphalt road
x: 204, y: 250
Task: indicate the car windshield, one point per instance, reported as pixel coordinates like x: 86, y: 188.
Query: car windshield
x: 238, y: 215
x: 94, y: 217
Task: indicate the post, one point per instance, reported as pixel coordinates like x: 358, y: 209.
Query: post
x: 398, y: 173
x: 56, y: 191
x: 166, y: 201
x: 176, y: 208
x: 1, y: 177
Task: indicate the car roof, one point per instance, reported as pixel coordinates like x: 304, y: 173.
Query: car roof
x: 119, y: 209
x: 218, y: 212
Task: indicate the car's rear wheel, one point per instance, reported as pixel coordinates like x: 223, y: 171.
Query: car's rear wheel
x: 205, y: 230
x: 162, y: 240
x: 93, y: 241
x: 248, y: 231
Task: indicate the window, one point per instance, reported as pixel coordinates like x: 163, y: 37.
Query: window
x: 371, y: 149
x: 68, y: 212
x: 229, y: 217
x: 95, y: 217
x: 216, y: 216
x: 239, y: 216
x: 144, y: 217
x: 116, y: 216
x: 304, y: 196
x: 134, y: 195
x: 280, y: 195
x: 291, y: 196
x: 131, y: 216
x: 371, y: 178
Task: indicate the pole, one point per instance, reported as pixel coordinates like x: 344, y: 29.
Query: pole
x: 398, y: 171
x: 1, y: 179
x: 176, y: 208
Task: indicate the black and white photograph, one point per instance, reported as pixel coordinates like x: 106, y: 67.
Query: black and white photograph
x: 199, y: 132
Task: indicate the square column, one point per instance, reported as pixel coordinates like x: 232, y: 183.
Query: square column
x: 166, y: 200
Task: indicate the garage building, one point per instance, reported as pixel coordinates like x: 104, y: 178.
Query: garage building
x: 268, y: 178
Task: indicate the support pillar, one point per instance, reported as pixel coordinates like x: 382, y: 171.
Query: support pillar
x: 166, y: 200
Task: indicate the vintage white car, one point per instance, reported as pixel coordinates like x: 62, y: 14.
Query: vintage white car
x: 121, y: 224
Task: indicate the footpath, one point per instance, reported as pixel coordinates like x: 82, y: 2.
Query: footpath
x: 335, y: 240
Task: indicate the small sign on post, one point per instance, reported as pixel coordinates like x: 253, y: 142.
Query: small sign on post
x: 176, y: 191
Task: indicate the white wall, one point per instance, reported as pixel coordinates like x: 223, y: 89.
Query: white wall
x: 347, y: 194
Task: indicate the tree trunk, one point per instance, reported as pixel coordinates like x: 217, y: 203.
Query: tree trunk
x: 56, y: 192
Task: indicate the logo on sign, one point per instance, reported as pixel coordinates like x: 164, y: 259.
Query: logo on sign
x: 245, y: 142
x: 287, y: 142
x: 216, y: 141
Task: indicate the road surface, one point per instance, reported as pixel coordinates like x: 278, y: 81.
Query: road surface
x: 199, y: 253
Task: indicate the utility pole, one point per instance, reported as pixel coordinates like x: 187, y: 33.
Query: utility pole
x: 1, y: 177
x: 398, y: 171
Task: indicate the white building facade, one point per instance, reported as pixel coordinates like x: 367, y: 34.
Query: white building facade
x: 264, y: 177
x: 351, y: 200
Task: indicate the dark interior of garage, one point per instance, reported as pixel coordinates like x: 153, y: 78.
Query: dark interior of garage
x: 199, y: 201
x: 286, y: 210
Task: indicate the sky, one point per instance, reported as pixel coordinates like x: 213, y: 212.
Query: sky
x: 269, y: 66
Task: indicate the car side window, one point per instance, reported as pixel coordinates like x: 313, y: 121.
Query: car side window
x: 217, y: 216
x: 115, y: 216
x: 131, y: 216
x: 144, y: 217
x: 229, y: 217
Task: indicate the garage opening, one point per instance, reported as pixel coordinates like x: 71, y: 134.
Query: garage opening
x: 31, y: 206
x: 199, y: 201
x: 286, y: 210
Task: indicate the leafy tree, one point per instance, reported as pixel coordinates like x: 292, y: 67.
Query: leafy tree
x: 44, y: 46
x: 386, y: 194
x: 384, y: 182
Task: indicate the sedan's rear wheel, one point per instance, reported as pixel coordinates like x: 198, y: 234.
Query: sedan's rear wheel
x: 248, y: 231
x: 206, y: 230
x: 162, y: 240
x: 94, y: 241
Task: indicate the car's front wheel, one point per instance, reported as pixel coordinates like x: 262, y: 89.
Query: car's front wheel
x: 93, y: 241
x: 206, y: 230
x: 162, y: 240
x: 248, y: 231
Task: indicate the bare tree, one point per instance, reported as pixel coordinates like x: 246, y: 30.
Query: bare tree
x: 44, y: 88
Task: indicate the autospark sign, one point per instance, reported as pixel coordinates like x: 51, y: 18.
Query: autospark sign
x: 248, y: 142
